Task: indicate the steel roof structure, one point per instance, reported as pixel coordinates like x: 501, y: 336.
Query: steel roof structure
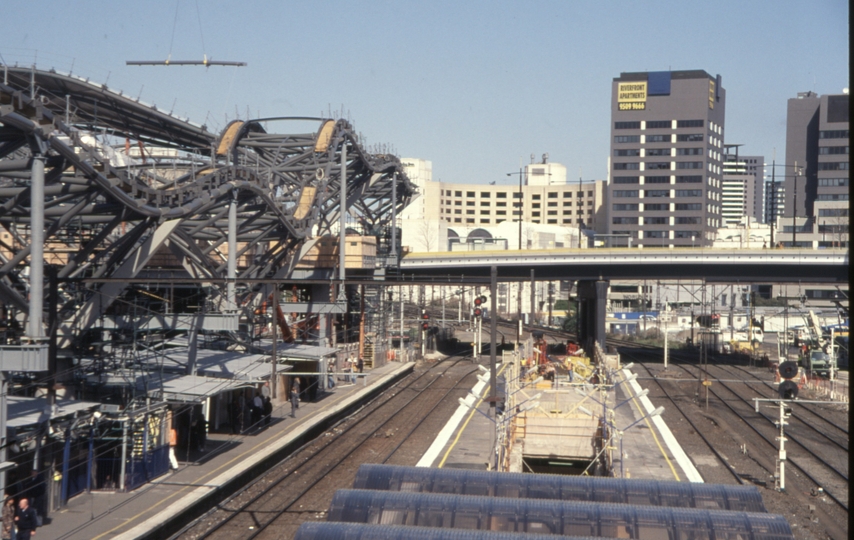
x: 124, y: 180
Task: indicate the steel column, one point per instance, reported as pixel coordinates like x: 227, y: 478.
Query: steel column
x: 34, y: 328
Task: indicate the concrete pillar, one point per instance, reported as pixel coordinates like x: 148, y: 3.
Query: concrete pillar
x: 592, y: 305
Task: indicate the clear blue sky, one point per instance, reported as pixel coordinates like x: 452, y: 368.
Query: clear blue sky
x: 471, y: 86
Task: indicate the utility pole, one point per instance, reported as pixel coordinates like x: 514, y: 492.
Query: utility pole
x: 795, y: 210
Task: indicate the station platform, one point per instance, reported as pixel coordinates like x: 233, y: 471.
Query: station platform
x: 649, y: 449
x: 229, y: 462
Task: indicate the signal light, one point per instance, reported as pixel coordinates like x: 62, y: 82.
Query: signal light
x: 425, y: 316
x: 478, y: 312
x: 425, y: 326
x: 788, y: 389
x: 478, y: 301
x: 788, y: 370
x: 483, y: 299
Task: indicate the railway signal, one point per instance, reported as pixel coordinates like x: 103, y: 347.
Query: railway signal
x: 788, y: 388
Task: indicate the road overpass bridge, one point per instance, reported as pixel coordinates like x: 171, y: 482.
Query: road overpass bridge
x: 594, y: 268
x: 765, y: 265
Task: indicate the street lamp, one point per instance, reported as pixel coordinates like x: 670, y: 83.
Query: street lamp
x: 519, y: 285
x: 798, y: 171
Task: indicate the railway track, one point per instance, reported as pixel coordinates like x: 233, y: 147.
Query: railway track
x: 841, y: 433
x: 814, y: 467
x: 300, y: 488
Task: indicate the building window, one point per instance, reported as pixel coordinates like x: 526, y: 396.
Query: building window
x: 658, y: 166
x: 551, y: 213
x: 484, y: 203
x: 501, y: 195
x: 689, y: 123
x: 469, y: 203
x: 839, y: 166
x: 484, y: 212
x: 832, y: 212
x: 833, y: 182
x: 626, y: 166
x: 655, y: 234
x: 833, y: 197
x: 457, y: 220
x: 469, y: 193
x: 484, y: 221
x: 535, y: 214
x: 552, y: 221
x: 567, y: 194
x: 835, y: 134
x: 631, y: 152
x: 469, y: 220
x: 656, y: 193
x: 690, y: 137
x: 553, y: 195
x: 658, y: 124
x: 567, y: 221
x: 550, y: 203
x: 625, y: 193
x: 626, y: 125
x: 689, y: 151
x: 689, y: 165
x: 621, y: 139
x: 626, y: 179
x: 686, y: 234
x: 624, y: 221
x: 655, y: 207
x: 458, y: 203
x: 485, y: 194
x: 689, y: 192
x: 688, y: 221
x: 458, y: 194
x: 657, y: 138
x: 689, y: 179
x: 470, y: 212
x: 656, y: 180
x: 657, y: 152
x: 501, y: 212
x: 500, y: 203
x: 567, y: 212
x: 458, y: 211
x: 689, y: 206
x: 625, y: 207
x: 655, y: 221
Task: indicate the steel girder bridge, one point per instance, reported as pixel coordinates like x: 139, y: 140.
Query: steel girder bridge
x: 96, y: 184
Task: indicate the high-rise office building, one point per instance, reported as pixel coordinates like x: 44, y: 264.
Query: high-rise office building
x: 816, y: 152
x: 743, y: 192
x: 667, y: 132
x: 775, y: 198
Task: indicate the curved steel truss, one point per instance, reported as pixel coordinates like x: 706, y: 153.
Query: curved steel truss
x: 124, y: 182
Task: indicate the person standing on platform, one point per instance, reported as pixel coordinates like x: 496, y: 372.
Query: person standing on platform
x: 294, y: 398
x: 268, y: 410
x: 9, y: 519
x: 25, y: 520
x: 257, y: 409
x: 173, y: 442
x: 360, y: 364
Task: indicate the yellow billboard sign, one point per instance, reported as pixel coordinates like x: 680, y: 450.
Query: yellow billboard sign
x: 631, y: 96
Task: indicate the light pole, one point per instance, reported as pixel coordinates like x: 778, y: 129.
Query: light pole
x: 773, y: 217
x: 519, y: 289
